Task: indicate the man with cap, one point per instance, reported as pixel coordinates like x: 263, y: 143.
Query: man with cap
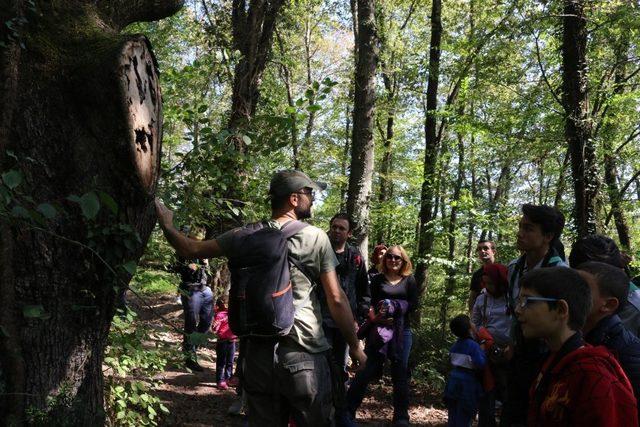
x: 289, y: 377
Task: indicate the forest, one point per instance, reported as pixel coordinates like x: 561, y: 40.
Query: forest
x: 431, y: 121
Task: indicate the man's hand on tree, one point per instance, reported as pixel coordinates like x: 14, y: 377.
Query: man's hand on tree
x: 165, y: 215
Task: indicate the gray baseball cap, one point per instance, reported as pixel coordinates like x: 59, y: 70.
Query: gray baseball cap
x: 289, y: 181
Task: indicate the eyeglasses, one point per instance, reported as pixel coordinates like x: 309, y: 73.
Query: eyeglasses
x: 523, y: 302
x: 393, y: 257
x: 310, y: 193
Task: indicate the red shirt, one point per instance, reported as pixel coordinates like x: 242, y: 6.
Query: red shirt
x: 587, y: 387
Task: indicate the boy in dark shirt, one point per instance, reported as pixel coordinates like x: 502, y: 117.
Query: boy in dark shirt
x: 609, y: 288
x: 578, y: 385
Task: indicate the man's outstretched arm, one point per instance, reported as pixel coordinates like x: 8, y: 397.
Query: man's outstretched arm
x: 185, y: 247
x: 341, y: 314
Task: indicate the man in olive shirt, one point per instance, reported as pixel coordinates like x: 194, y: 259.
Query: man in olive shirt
x: 290, y: 375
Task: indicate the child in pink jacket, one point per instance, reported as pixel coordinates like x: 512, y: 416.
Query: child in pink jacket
x: 226, y: 345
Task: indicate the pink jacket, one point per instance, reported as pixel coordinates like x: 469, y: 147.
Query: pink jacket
x: 221, y: 326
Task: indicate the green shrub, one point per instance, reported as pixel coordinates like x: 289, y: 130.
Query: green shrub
x: 133, y: 360
x: 154, y: 282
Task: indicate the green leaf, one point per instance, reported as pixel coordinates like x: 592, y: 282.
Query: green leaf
x: 152, y: 411
x: 12, y: 178
x: 246, y: 139
x: 47, y: 210
x: 108, y: 201
x: 34, y: 312
x: 163, y: 408
x: 130, y: 266
x: 20, y: 212
x: 90, y: 205
x: 73, y: 198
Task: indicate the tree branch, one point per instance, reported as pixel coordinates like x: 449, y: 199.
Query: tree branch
x: 543, y: 73
x: 120, y: 13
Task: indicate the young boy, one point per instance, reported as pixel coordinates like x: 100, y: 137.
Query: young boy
x: 578, y: 385
x: 463, y: 389
x: 609, y: 288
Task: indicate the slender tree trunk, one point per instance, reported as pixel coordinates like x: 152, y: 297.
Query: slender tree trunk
x: 100, y: 91
x: 610, y: 161
x: 361, y: 170
x: 425, y: 236
x: 285, y: 75
x: 451, y: 235
x: 560, y: 186
x: 578, y: 128
x: 345, y: 155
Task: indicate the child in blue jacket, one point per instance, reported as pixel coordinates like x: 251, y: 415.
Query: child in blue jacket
x: 464, y: 386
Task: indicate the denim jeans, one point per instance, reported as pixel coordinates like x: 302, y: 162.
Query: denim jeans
x: 399, y: 379
x: 197, y: 305
x: 225, y: 352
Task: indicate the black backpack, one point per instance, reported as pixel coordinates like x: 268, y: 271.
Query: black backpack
x: 261, y: 297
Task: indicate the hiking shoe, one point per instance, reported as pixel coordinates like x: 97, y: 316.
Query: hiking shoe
x: 193, y: 365
x: 222, y: 385
x: 237, y: 407
x: 233, y: 381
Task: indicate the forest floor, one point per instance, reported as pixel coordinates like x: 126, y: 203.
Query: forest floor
x: 194, y: 401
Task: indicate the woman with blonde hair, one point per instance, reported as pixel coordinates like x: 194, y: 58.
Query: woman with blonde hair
x: 394, y: 295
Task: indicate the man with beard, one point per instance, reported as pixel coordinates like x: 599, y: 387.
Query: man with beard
x: 354, y: 281
x: 288, y: 376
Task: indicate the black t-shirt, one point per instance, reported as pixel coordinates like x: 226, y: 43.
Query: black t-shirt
x: 406, y: 289
x: 476, y: 281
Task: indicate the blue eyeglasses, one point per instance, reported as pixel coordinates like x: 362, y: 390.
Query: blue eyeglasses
x: 523, y: 302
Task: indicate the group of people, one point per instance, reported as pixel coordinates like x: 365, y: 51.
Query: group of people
x: 302, y: 377
x: 533, y: 341
x: 553, y: 340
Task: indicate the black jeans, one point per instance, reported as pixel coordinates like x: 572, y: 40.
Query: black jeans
x: 375, y: 362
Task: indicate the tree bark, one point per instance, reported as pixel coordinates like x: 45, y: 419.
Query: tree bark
x: 578, y: 128
x: 425, y: 236
x: 450, y: 285
x: 610, y: 161
x: 253, y: 27
x: 90, y: 119
x: 361, y: 170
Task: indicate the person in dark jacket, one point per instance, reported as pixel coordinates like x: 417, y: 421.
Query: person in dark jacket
x: 394, y: 283
x: 375, y: 262
x: 538, y: 238
x: 609, y: 286
x: 601, y: 248
x: 197, y: 305
x: 354, y: 281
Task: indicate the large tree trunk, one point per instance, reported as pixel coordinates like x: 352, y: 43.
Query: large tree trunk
x: 425, y: 236
x: 578, y: 127
x: 361, y: 170
x: 88, y: 117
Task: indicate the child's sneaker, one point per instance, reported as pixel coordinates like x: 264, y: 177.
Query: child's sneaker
x: 222, y: 385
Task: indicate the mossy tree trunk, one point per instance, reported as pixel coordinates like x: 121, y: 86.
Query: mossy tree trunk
x: 81, y: 112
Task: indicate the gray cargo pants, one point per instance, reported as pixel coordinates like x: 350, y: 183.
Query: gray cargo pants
x: 283, y: 380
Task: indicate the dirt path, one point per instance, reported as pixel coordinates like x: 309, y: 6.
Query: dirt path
x: 194, y: 401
